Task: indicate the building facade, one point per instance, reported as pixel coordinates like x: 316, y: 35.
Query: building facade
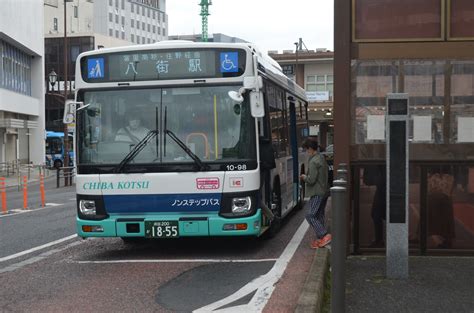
x: 93, y: 24
x: 426, y: 49
x: 22, y: 135
x: 314, y: 72
x: 118, y: 22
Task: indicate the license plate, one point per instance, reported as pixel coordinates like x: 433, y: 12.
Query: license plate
x: 161, y: 229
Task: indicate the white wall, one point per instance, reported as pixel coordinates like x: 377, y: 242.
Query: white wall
x: 21, y: 26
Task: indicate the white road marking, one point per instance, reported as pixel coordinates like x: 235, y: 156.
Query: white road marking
x: 40, y: 257
x: 178, y: 261
x: 47, y: 245
x: 264, y: 285
x: 54, y: 204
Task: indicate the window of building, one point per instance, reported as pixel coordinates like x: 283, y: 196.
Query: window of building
x: 320, y: 83
x: 123, y: 20
x: 111, y: 32
x: 111, y: 2
x: 123, y: 35
x: 148, y: 12
x: 154, y: 14
x: 148, y: 27
x: 55, y: 23
x: 76, y: 11
x: 138, y: 39
x: 111, y: 17
x: 116, y: 34
x: 116, y: 18
x: 123, y: 4
x: 143, y: 11
x: 143, y: 40
x: 132, y: 38
x: 132, y: 23
x: 116, y: 3
x: 132, y: 7
x: 154, y: 29
x: 143, y: 25
x: 164, y: 31
x: 164, y: 18
x: 15, y: 65
x: 159, y: 30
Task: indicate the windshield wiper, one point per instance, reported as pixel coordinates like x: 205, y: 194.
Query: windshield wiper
x: 183, y: 146
x: 136, y: 150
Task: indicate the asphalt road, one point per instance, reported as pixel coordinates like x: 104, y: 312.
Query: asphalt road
x: 179, y: 275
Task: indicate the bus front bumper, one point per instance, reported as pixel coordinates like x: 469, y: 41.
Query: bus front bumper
x: 188, y: 225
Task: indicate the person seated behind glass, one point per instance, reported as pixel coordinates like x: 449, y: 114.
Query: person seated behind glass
x: 134, y: 132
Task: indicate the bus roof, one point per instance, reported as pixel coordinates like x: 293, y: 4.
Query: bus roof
x: 267, y: 66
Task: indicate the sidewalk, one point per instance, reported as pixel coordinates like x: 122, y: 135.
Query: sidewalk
x: 435, y: 284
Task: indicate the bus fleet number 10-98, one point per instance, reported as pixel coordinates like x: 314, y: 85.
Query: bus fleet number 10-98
x: 236, y: 167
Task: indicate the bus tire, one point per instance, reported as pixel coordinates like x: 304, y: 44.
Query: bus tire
x: 276, y: 210
x: 58, y: 164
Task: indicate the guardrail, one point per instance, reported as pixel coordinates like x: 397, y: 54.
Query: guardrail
x: 67, y: 172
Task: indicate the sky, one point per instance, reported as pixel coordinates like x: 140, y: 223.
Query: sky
x: 270, y: 24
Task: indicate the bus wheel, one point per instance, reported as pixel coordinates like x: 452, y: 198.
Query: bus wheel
x: 276, y: 210
x: 58, y: 164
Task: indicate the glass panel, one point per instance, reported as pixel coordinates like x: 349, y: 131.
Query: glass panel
x: 310, y: 79
x: 450, y: 207
x: 424, y: 82
x: 193, y: 114
x: 320, y: 78
x: 462, y: 24
x: 462, y: 95
x: 402, y: 19
x: 372, y: 81
x: 329, y: 78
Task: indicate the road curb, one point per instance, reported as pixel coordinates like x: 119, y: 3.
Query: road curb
x: 311, y: 298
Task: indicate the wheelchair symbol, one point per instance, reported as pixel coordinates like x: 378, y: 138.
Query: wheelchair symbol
x: 228, y: 64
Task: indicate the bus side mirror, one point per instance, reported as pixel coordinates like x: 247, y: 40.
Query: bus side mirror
x: 69, y: 112
x: 256, y: 104
x: 70, y: 109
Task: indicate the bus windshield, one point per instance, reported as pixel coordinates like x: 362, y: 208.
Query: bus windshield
x: 54, y: 145
x: 205, y: 119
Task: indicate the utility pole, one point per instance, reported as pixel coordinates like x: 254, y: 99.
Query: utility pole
x: 66, y: 133
x: 204, y: 14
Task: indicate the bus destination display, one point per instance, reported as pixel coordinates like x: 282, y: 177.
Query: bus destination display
x: 162, y: 65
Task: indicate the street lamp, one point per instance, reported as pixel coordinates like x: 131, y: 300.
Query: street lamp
x: 52, y: 77
x: 296, y: 66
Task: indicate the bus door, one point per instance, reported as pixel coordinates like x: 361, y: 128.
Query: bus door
x: 294, y: 150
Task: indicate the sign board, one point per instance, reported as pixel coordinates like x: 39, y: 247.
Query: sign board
x: 317, y: 96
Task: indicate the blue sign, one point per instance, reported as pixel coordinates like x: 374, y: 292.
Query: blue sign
x: 229, y: 62
x: 95, y: 68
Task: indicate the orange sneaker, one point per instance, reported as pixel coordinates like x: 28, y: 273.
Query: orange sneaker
x: 315, y: 243
x: 325, y: 241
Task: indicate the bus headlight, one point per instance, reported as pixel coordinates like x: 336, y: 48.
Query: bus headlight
x: 241, y: 205
x: 87, y: 207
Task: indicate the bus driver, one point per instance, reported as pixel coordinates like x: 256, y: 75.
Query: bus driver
x: 134, y: 132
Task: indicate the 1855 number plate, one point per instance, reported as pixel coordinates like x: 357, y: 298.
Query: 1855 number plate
x: 161, y: 229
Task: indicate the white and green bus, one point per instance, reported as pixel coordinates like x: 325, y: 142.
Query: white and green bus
x: 179, y: 139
